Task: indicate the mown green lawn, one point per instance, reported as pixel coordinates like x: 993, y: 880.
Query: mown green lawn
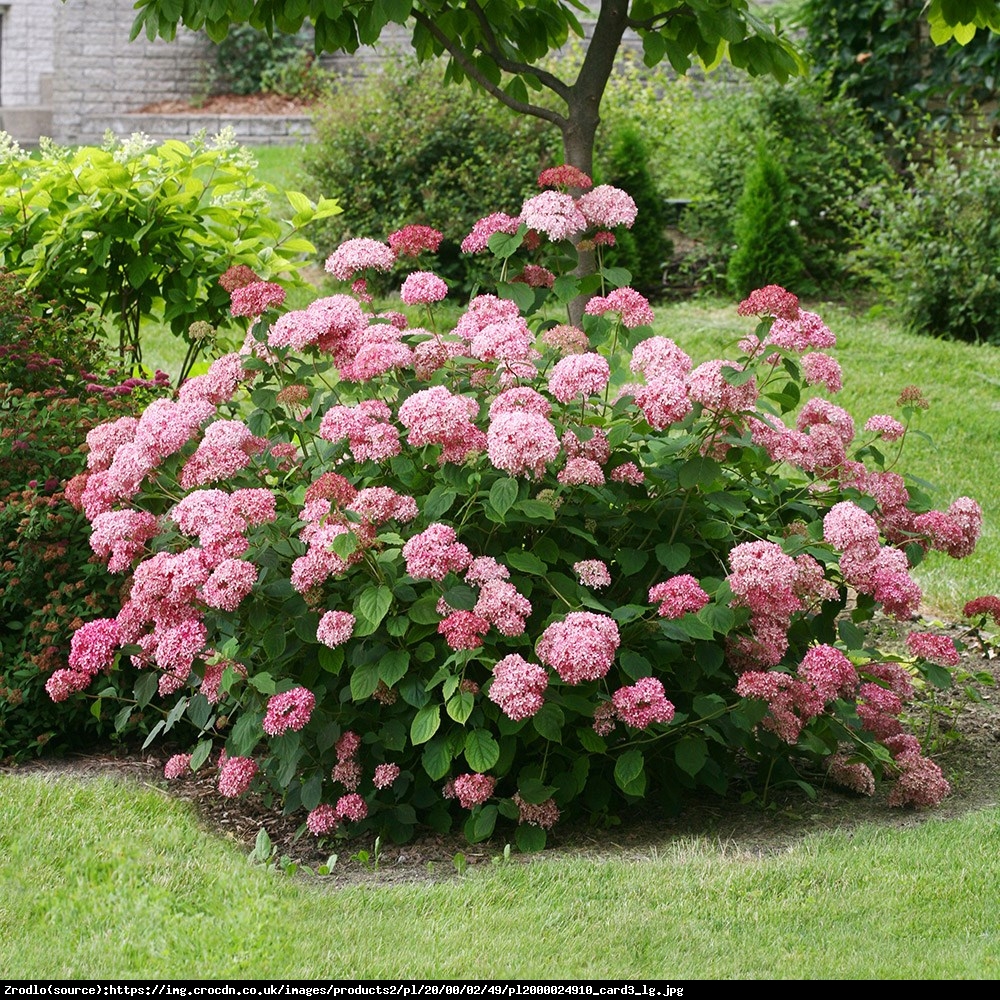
x: 100, y: 879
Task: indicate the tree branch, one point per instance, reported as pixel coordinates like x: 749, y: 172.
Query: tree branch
x: 470, y: 69
x: 493, y: 50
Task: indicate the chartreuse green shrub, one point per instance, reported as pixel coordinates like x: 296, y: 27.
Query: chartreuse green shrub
x: 141, y: 231
x: 512, y: 570
x: 768, y: 246
x: 56, y: 384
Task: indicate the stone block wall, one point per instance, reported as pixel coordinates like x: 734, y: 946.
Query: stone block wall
x: 100, y: 74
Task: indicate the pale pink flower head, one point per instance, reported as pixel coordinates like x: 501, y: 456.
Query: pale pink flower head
x: 236, y: 774
x: 520, y: 399
x: 289, y: 710
x: 821, y: 369
x: 581, y: 471
x: 846, y: 526
x: 564, y: 176
x: 521, y: 443
x: 642, y: 703
x: 385, y: 775
x: 434, y: 553
x: 177, y: 766
x: 423, y: 288
x: 554, y: 214
x: 472, y: 790
x: 482, y: 569
x: 707, y: 385
x: 592, y: 573
x: 608, y: 206
x: 659, y: 357
x: 502, y: 605
x: 358, y: 254
x: 322, y: 820
x: 351, y: 806
x: 920, y: 783
x: 771, y: 300
x: 678, y: 596
x: 255, y: 298
x: 889, y: 428
x: 938, y: 649
x: 497, y: 222
x: 412, y: 240
x: 764, y: 578
x: 629, y: 473
x: 579, y: 375
x: 632, y: 306
x: 518, y: 687
x: 830, y: 673
x: 581, y: 647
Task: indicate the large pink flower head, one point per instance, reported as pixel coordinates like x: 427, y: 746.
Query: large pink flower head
x: 581, y: 647
x: 819, y: 411
x: 423, y: 288
x: 664, y: 401
x: 830, y: 673
x: 93, y: 646
x: 412, y: 240
x: 592, y: 573
x: 521, y: 443
x: 236, y: 774
x: 463, y: 629
x: 105, y: 439
x: 707, y: 385
x: 226, y: 447
x: 358, y: 254
x: 800, y: 333
x: 579, y: 375
x: 632, y: 306
x: 289, y: 710
x: 658, y: 358
x: 678, y: 596
x: 518, y: 687
x: 643, y: 703
x: 521, y: 399
x: 497, y: 222
x: 502, y: 605
x: 435, y: 416
x: 507, y: 340
x: 471, y: 790
x: 564, y: 176
x: 120, y: 535
x: 771, y: 300
x: 847, y: 526
x: 608, y: 206
x: 434, y: 553
x: 764, y: 578
x: 229, y: 583
x: 256, y: 298
x: 367, y: 427
x: 483, y: 311
x: 218, y: 385
x: 935, y: 648
x: 554, y: 214
x: 335, y: 628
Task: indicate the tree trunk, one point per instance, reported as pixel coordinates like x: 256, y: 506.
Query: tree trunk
x: 583, y: 114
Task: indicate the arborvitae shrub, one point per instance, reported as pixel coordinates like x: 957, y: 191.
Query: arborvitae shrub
x: 768, y: 246
x: 644, y: 249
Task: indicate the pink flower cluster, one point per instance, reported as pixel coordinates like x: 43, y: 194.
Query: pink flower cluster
x: 678, y: 596
x: 289, y: 710
x: 543, y: 814
x: 581, y: 647
x: 643, y: 703
x: 335, y: 628
x: 435, y: 416
x: 236, y: 774
x: 368, y: 428
x: 518, y: 687
x: 434, y: 553
x: 631, y: 306
x: 592, y: 573
x: 471, y: 790
x: 938, y: 649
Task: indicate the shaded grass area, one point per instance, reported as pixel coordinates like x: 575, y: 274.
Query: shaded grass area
x: 101, y: 879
